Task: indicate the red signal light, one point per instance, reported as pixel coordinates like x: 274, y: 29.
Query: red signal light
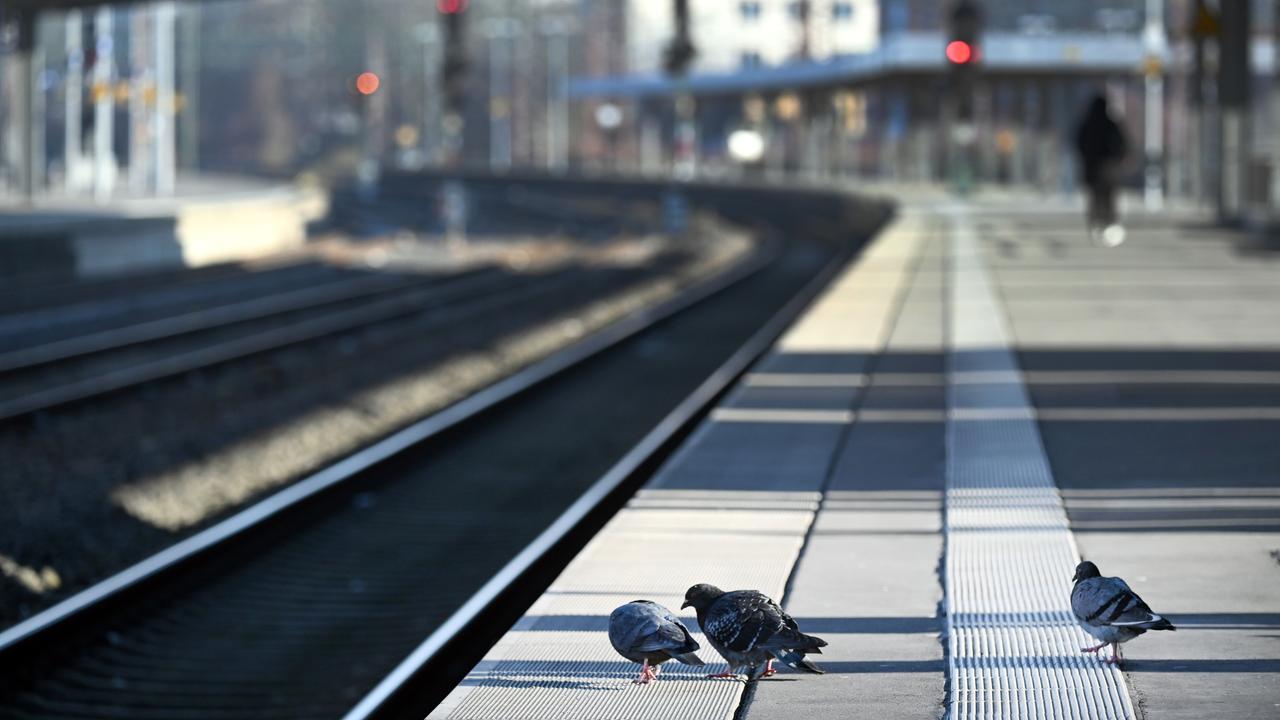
x: 959, y: 52
x: 368, y: 83
x: 451, y: 7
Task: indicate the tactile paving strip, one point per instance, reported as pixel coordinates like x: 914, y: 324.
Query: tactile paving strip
x: 1014, y: 644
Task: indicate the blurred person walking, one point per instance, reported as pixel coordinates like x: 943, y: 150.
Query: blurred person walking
x: 1102, y: 146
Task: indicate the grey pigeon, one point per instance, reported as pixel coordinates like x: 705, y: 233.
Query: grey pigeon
x: 751, y: 631
x: 1109, y: 611
x: 645, y: 632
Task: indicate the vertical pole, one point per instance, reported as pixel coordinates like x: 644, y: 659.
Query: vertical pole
x: 562, y: 96
x: 454, y: 71
x: 140, y: 160
x: 104, y: 161
x: 501, y: 33
x: 428, y: 33
x: 72, y: 129
x: 1274, y: 90
x: 1234, y: 77
x: 549, y: 120
x: 39, y: 113
x: 24, y: 110
x: 189, y: 116
x: 1153, y: 114
x: 557, y: 34
x: 165, y: 150
x: 374, y: 107
x: 495, y: 108
x: 802, y: 10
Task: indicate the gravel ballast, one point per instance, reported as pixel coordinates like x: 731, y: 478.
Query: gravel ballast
x: 92, y: 488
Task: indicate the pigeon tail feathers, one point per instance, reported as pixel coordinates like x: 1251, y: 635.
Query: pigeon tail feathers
x: 798, y: 661
x: 687, y: 658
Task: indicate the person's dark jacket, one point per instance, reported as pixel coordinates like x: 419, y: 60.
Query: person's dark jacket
x: 1099, y: 140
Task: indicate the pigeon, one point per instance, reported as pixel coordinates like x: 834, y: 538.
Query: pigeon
x: 751, y: 631
x: 1109, y: 611
x: 645, y: 632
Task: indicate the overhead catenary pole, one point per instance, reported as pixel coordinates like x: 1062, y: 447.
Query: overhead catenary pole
x: 24, y: 102
x: 141, y: 98
x: 187, y: 113
x: 1234, y: 78
x: 1274, y: 200
x: 428, y: 33
x: 104, y: 161
x: 163, y: 136
x: 501, y: 32
x: 73, y: 153
x: 1153, y: 132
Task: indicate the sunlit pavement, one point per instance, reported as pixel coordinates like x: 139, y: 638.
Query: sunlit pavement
x: 993, y: 338
x: 1154, y: 369
x: 1155, y: 366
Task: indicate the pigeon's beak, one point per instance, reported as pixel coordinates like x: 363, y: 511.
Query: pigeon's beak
x: 685, y: 605
x: 1075, y: 577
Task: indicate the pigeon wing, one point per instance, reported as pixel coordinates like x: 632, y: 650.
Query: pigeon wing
x: 1107, y: 601
x: 743, y: 621
x: 646, y: 627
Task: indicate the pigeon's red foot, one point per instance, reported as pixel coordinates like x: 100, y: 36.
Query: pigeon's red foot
x: 1093, y: 649
x: 724, y: 676
x: 1117, y: 659
x: 647, y: 675
x: 768, y: 670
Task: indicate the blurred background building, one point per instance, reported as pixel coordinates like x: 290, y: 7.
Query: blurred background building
x: 855, y: 89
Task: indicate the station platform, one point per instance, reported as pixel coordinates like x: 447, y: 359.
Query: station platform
x: 981, y: 398
x: 208, y: 219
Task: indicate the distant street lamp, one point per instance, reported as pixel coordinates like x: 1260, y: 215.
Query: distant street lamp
x: 609, y: 118
x: 746, y: 146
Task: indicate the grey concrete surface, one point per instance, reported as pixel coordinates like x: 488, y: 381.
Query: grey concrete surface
x: 1166, y: 352
x: 732, y: 507
x: 1154, y: 369
x: 867, y: 581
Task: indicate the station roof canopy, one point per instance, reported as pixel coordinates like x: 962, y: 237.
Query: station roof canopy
x: 905, y: 53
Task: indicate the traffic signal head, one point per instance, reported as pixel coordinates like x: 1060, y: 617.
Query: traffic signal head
x: 367, y: 83
x: 964, y: 27
x: 959, y: 52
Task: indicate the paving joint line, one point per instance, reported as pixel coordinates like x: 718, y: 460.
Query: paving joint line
x: 911, y: 274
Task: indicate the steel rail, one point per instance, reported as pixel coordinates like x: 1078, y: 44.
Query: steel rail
x: 136, y: 579
x: 260, y: 342
x: 163, y: 328
x: 384, y: 700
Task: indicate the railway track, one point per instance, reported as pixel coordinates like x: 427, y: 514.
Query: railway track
x: 422, y: 546
x: 83, y: 367
x: 67, y: 310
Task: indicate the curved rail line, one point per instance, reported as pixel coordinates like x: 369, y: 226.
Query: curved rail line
x: 32, y: 640
x: 460, y: 293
